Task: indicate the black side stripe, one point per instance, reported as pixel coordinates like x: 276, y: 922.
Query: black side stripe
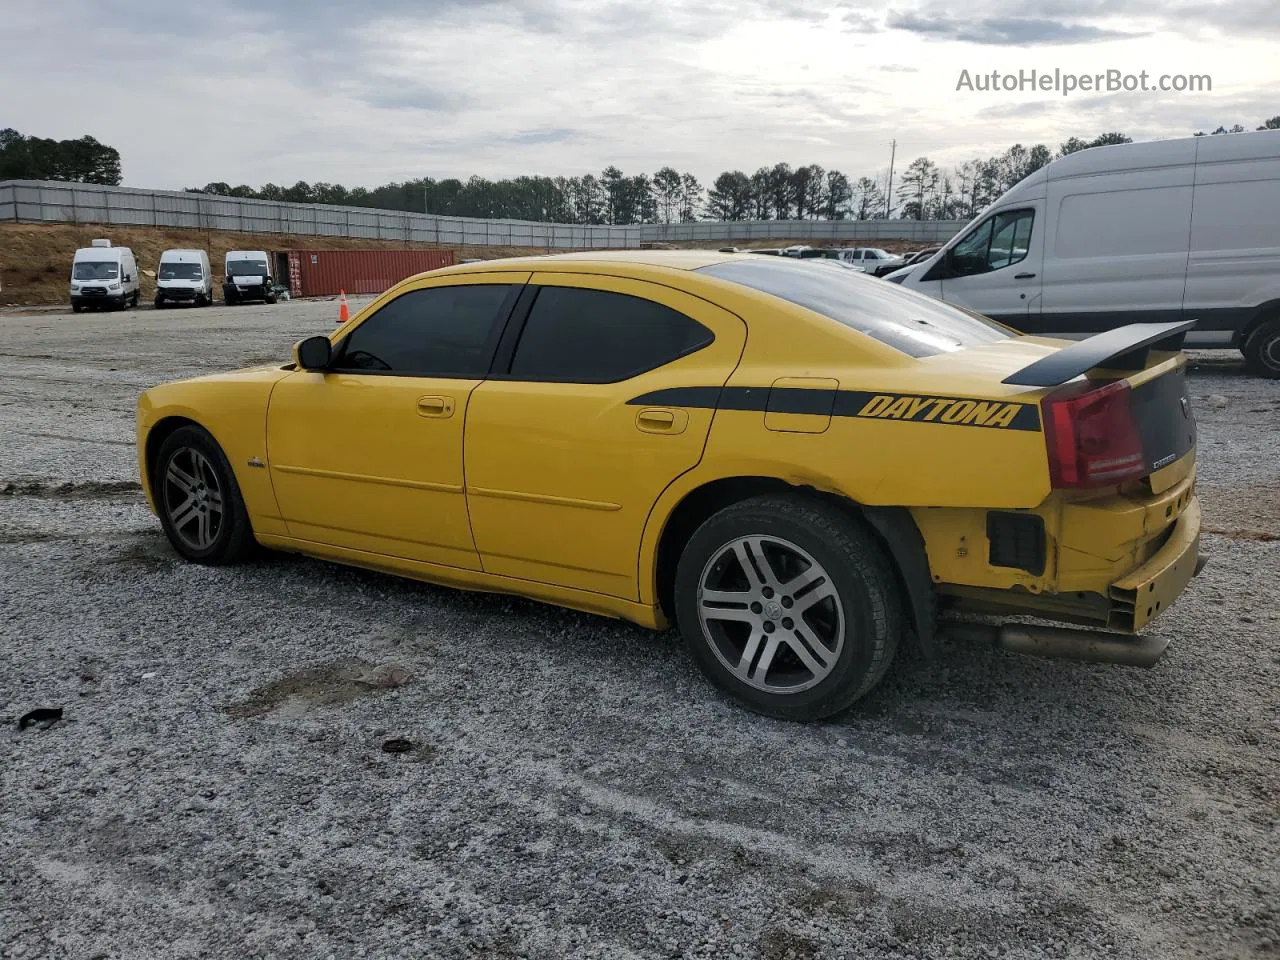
x: 953, y: 411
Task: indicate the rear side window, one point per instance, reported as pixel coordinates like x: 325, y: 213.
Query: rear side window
x: 917, y: 325
x: 595, y: 336
x: 440, y: 332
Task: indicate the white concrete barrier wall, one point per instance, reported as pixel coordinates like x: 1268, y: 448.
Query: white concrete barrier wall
x: 40, y: 201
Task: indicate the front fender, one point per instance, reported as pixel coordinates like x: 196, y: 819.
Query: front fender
x: 233, y: 408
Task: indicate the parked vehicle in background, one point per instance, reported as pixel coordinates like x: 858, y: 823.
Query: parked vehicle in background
x: 872, y: 259
x: 918, y: 257
x: 103, y: 276
x: 1136, y: 232
x: 184, y: 276
x: 248, y: 277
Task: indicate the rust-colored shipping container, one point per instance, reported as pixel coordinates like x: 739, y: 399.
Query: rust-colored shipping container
x: 322, y: 273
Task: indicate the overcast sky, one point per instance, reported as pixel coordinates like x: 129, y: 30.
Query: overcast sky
x: 392, y: 89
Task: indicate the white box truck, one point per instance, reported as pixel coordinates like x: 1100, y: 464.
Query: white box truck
x: 248, y: 277
x: 184, y: 276
x: 1184, y: 229
x: 103, y: 276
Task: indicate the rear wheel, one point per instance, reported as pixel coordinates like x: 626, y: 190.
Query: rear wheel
x: 788, y: 605
x: 76, y: 307
x: 1262, y: 350
x: 198, y: 499
x: 159, y: 303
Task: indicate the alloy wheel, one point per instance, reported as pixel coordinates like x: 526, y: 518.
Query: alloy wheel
x: 771, y: 614
x: 193, y: 498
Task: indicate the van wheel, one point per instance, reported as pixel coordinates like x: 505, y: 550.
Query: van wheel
x: 76, y: 307
x: 1262, y: 350
x: 137, y: 294
x: 789, y: 606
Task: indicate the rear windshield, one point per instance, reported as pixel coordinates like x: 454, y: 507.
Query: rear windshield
x: 180, y: 271
x: 917, y: 325
x: 247, y: 268
x: 94, y: 270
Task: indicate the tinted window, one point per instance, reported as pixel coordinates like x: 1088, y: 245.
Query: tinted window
x: 994, y: 244
x: 905, y: 320
x: 443, y: 331
x: 593, y: 336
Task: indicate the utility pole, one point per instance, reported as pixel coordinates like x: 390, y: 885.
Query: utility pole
x: 888, y: 194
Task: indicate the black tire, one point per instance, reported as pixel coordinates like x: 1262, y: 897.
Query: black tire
x: 159, y: 303
x: 137, y: 295
x: 864, y: 620
x: 76, y: 307
x: 229, y: 536
x: 1262, y: 350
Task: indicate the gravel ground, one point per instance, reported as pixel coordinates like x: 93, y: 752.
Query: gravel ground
x: 572, y: 788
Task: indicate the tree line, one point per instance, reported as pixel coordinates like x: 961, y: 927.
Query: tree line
x: 37, y: 158
x: 921, y: 190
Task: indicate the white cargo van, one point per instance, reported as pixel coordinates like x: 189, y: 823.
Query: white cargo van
x: 1183, y: 229
x: 103, y: 276
x: 184, y: 276
x: 248, y: 277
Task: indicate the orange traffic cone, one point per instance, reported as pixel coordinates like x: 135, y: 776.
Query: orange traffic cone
x: 344, y: 312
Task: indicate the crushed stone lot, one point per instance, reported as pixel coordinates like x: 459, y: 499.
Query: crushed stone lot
x: 565, y: 785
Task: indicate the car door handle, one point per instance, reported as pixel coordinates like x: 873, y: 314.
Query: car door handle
x: 662, y: 420
x: 440, y: 407
x: 1023, y: 276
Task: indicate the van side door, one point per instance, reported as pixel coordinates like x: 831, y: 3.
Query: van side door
x: 1233, y: 267
x: 1118, y: 250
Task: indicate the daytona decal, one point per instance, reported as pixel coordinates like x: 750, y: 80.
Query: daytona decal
x: 917, y: 408
x: 978, y: 413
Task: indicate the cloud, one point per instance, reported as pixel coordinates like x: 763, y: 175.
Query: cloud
x: 1004, y: 31
x: 325, y: 91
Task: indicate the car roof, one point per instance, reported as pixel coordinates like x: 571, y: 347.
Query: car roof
x: 597, y: 260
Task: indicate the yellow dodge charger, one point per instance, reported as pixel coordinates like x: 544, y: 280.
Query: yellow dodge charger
x: 797, y: 465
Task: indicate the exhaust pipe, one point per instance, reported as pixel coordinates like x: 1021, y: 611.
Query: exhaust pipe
x: 1062, y: 643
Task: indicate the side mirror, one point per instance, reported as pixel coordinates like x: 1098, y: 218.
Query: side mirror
x: 313, y: 353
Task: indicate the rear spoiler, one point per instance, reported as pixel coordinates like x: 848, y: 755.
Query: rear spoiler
x: 1124, y: 348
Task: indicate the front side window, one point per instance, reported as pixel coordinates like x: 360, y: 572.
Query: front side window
x: 996, y: 243
x: 437, y: 332
x: 595, y: 336
x: 95, y: 270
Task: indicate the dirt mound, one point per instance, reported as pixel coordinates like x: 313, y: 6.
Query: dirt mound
x: 35, y: 259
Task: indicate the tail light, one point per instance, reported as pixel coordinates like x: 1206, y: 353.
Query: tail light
x: 1092, y: 436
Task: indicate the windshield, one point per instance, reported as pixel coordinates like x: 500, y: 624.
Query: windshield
x: 95, y: 270
x: 247, y: 268
x: 180, y: 271
x: 917, y: 325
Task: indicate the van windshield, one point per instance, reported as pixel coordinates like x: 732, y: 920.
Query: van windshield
x: 180, y: 271
x: 95, y: 270
x: 247, y: 268
x: 917, y: 325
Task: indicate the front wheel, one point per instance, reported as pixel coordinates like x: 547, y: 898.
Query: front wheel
x: 1262, y: 350
x: 198, y: 499
x: 789, y: 605
x: 76, y: 307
